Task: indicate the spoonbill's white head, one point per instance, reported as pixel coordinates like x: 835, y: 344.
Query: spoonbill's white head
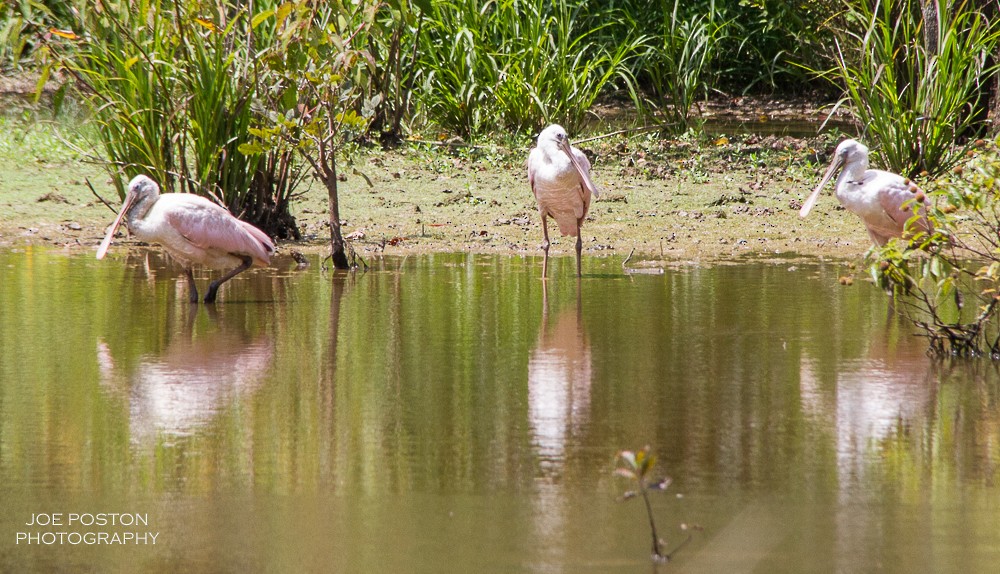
x: 555, y: 137
x: 140, y: 188
x: 848, y: 152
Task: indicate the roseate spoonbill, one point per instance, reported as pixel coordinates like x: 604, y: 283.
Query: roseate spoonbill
x: 193, y: 230
x: 876, y: 196
x: 559, y: 175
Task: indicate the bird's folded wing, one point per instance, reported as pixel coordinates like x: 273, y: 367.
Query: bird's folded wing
x: 209, y: 226
x: 897, y: 200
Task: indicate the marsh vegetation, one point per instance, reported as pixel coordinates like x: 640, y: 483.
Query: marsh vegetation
x: 250, y: 103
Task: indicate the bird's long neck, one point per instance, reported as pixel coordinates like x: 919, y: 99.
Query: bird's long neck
x: 853, y: 172
x: 555, y: 155
x: 139, y: 209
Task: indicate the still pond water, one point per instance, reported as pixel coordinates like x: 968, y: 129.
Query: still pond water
x: 445, y: 414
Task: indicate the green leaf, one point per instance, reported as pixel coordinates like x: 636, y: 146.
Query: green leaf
x: 283, y: 11
x: 290, y: 97
x: 362, y: 174
x: 42, y: 79
x: 251, y: 148
x: 260, y: 18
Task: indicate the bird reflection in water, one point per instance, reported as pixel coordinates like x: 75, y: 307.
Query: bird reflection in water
x: 559, y: 377
x: 175, y: 392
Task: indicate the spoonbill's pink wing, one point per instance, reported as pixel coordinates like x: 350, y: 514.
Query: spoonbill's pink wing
x: 534, y: 158
x: 894, y: 192
x: 210, y: 226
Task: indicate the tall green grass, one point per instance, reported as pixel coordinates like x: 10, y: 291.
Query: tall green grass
x: 393, y: 42
x: 676, y: 66
x: 915, y: 104
x: 171, y: 86
x: 516, y: 64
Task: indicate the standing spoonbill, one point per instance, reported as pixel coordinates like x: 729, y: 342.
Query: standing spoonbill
x: 876, y: 196
x: 192, y: 230
x: 559, y: 175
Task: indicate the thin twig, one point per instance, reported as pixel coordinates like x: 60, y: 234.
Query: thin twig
x: 627, y: 259
x: 94, y: 191
x: 446, y: 143
x: 679, y: 546
x: 652, y: 524
x: 616, y: 133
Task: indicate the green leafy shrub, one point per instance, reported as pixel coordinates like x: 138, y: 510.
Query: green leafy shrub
x: 318, y: 73
x: 948, y: 282
x: 170, y: 85
x: 912, y: 100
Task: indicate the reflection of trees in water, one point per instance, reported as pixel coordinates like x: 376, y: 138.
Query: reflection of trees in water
x: 904, y: 428
x: 151, y: 269
x: 200, y: 371
x: 427, y: 383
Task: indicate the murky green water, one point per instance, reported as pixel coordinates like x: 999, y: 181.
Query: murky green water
x: 439, y: 414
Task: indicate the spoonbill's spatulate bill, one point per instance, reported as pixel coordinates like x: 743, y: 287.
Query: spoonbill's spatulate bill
x: 193, y: 231
x: 559, y: 175
x: 878, y: 197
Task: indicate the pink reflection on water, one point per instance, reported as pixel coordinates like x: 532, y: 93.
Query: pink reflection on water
x: 559, y: 378
x: 179, y: 390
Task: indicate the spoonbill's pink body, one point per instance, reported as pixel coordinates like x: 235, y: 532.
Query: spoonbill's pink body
x: 878, y: 197
x: 193, y: 231
x: 559, y: 175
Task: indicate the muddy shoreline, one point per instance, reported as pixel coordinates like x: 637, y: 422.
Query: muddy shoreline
x: 674, y: 200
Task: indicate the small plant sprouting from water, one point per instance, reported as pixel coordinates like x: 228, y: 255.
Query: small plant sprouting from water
x: 637, y: 468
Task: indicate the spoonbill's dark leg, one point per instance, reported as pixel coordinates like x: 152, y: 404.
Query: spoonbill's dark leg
x: 579, y: 248
x: 214, y: 286
x: 192, y: 288
x: 545, y: 247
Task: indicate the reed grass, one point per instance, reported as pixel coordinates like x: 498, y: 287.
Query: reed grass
x: 676, y: 66
x: 171, y: 86
x: 516, y: 64
x: 920, y: 107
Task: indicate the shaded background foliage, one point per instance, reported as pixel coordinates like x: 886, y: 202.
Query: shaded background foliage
x: 185, y: 95
x: 506, y: 59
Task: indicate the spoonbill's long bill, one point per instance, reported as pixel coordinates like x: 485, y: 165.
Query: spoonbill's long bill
x: 193, y: 231
x: 559, y: 175
x: 877, y: 197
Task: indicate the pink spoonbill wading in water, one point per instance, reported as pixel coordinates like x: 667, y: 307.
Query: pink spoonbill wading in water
x: 878, y: 197
x: 559, y: 175
x: 193, y: 231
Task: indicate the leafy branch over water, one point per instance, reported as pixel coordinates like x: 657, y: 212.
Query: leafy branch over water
x: 948, y: 282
